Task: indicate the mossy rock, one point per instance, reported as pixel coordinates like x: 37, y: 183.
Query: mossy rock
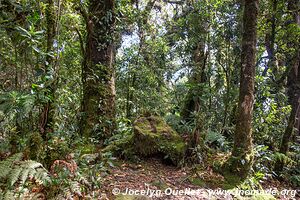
x: 153, y: 136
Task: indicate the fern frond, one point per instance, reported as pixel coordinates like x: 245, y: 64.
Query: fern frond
x: 283, y: 158
x: 75, y: 188
x: 28, y: 169
x: 9, y: 195
x: 6, y: 165
x: 42, y: 176
x: 13, y: 169
x: 14, y: 176
x: 31, y: 164
x: 31, y: 173
x: 24, y: 175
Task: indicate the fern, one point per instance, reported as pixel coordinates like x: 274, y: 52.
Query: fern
x: 14, y: 173
x: 9, y: 195
x: 42, y: 176
x: 14, y: 176
x: 27, y: 169
x: 283, y: 159
x: 6, y: 165
x: 24, y: 175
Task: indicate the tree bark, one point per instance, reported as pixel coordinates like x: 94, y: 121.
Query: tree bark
x: 192, y: 100
x: 293, y: 82
x: 98, y: 73
x: 270, y: 42
x: 193, y: 105
x: 47, y: 115
x: 241, y: 159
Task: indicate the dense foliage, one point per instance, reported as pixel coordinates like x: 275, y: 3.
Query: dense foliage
x: 75, y: 77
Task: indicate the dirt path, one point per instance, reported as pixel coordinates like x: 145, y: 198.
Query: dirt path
x: 152, y: 176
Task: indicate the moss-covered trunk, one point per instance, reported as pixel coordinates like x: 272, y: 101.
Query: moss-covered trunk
x: 199, y: 50
x: 241, y: 159
x: 293, y: 81
x: 270, y: 41
x: 47, y: 115
x: 98, y: 73
x: 192, y: 100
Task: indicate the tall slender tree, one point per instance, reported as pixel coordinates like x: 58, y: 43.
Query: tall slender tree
x: 270, y: 40
x: 241, y: 159
x: 98, y: 73
x: 47, y: 115
x: 192, y: 101
x: 293, y: 79
x: 198, y: 35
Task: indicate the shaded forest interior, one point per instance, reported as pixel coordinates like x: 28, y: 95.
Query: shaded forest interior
x: 98, y: 98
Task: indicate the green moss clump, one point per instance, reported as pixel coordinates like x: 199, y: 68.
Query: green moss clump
x: 153, y: 136
x: 86, y: 148
x: 236, y: 169
x: 35, y: 145
x: 231, y: 180
x: 198, y: 182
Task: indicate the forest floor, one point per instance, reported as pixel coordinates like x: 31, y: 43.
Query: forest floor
x: 158, y: 180
x: 151, y: 175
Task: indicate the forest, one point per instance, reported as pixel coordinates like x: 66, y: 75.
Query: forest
x: 149, y: 99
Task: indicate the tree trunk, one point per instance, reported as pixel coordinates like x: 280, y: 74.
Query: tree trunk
x: 98, y: 73
x: 242, y: 157
x: 293, y: 82
x: 270, y: 42
x: 193, y: 103
x: 47, y: 115
x: 192, y: 100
